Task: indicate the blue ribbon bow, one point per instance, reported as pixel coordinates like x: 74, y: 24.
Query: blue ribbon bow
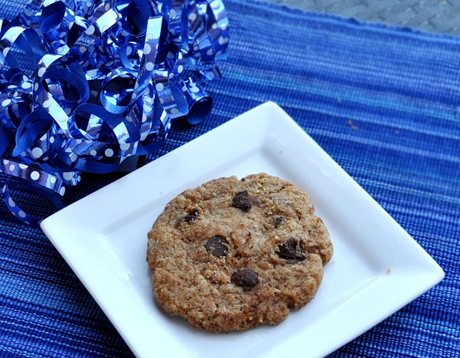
x: 86, y: 84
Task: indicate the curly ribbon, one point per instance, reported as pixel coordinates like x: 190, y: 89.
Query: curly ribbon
x: 86, y: 84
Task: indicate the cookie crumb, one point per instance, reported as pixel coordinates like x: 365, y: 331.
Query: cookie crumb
x: 191, y: 216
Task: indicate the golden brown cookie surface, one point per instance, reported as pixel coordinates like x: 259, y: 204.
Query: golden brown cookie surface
x: 234, y: 254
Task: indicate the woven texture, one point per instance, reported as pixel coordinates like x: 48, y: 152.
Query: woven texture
x: 429, y: 15
x: 383, y: 102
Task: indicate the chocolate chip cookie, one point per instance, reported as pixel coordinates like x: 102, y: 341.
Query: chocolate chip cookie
x: 234, y: 254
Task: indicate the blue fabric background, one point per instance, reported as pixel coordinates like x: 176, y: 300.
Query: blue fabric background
x: 383, y: 102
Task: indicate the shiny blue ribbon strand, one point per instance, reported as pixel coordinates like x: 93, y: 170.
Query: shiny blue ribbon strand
x: 86, y: 84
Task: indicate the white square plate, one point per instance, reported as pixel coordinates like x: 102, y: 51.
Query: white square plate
x: 377, y: 268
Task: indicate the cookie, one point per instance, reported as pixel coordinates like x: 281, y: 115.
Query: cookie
x: 235, y: 254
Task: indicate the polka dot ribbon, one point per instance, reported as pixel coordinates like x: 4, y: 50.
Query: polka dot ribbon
x: 86, y: 84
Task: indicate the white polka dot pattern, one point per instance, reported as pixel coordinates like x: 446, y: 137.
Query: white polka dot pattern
x: 68, y: 124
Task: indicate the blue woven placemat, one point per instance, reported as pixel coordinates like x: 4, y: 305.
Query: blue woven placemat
x: 383, y: 102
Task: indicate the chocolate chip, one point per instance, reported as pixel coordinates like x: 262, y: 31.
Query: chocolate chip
x: 191, y: 216
x: 242, y: 201
x: 245, y: 278
x: 292, y: 249
x: 217, y: 246
x: 277, y: 221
